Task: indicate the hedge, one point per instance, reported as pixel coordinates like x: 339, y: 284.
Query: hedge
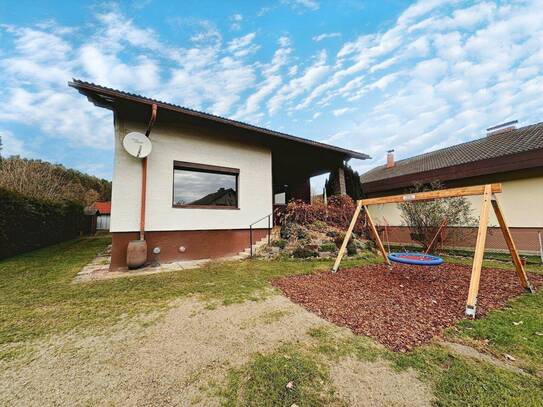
x: 27, y: 223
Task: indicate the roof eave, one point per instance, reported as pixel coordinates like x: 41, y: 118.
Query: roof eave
x: 105, y: 97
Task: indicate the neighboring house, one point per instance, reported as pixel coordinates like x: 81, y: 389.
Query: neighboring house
x: 103, y: 215
x: 98, y: 215
x: 508, y: 155
x: 208, y: 178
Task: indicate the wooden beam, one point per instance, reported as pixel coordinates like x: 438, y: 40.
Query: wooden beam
x: 479, y: 253
x: 425, y: 196
x: 347, y: 237
x: 376, y: 235
x: 519, y: 267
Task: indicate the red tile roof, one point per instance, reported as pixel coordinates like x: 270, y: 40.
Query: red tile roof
x: 103, y: 207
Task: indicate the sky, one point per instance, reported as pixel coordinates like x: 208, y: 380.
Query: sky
x: 364, y: 75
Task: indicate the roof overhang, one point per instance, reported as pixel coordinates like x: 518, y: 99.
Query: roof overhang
x: 111, y: 98
x: 499, y: 165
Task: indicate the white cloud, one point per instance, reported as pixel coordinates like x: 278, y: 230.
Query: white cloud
x: 243, y: 46
x: 437, y: 75
x: 236, y: 20
x: 302, y: 4
x: 342, y: 111
x: 11, y: 145
x: 325, y: 36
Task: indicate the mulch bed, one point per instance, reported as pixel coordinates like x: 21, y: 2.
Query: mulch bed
x: 403, y: 307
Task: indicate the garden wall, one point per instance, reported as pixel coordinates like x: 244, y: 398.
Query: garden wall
x: 27, y: 223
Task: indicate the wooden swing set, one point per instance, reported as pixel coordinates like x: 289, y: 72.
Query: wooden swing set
x: 488, y: 192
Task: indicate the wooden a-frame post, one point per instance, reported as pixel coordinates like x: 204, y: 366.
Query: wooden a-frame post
x: 489, y: 200
x: 519, y: 267
x: 479, y: 253
x: 347, y: 236
x: 350, y: 232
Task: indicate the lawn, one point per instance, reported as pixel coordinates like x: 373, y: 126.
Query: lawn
x: 38, y: 299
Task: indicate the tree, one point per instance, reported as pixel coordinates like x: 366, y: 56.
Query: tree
x: 353, y: 186
x: 42, y: 180
x: 425, y: 217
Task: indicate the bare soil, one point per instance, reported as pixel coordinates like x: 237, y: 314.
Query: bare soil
x: 403, y: 307
x: 180, y: 358
x: 376, y: 384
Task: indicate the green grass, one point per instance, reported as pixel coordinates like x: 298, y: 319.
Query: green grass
x: 458, y: 381
x: 454, y: 380
x: 264, y: 381
x: 37, y: 296
x: 516, y: 330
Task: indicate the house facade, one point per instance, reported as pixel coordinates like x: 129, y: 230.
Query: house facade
x: 208, y: 179
x: 512, y: 156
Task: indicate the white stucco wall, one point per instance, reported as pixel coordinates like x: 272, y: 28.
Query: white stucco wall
x: 521, y: 201
x: 191, y: 145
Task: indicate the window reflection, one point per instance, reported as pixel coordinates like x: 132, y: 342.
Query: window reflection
x: 192, y: 187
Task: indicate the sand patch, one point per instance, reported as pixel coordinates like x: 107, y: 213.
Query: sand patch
x: 377, y: 384
x: 170, y: 362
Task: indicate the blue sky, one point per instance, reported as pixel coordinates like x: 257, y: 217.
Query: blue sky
x: 365, y: 75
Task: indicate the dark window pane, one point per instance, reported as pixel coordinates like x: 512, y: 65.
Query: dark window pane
x: 204, y: 188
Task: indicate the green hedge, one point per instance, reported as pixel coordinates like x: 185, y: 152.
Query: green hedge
x: 27, y: 224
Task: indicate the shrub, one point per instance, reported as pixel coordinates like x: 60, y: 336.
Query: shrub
x: 29, y: 223
x: 303, y: 253
x: 425, y: 217
x: 319, y: 225
x: 351, y: 248
x: 279, y: 243
x: 290, y: 230
x: 328, y: 247
x: 338, y: 213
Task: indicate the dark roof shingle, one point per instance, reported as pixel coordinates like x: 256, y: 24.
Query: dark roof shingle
x: 88, y: 88
x: 493, y: 146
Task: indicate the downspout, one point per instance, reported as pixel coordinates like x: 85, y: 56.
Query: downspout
x: 144, y: 175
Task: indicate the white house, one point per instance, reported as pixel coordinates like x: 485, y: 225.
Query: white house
x: 206, y: 180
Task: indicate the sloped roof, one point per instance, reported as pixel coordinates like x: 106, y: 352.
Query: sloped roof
x: 103, y: 207
x: 510, y: 143
x: 105, y: 97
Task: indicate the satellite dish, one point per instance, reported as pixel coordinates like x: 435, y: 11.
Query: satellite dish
x: 137, y: 144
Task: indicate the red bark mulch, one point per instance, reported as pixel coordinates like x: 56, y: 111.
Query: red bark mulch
x: 403, y: 307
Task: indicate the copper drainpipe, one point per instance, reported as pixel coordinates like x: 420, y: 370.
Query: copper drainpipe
x: 144, y: 175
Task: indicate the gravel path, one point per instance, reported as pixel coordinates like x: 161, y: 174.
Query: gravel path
x: 403, y: 307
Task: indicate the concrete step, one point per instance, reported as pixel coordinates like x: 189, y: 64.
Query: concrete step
x: 257, y: 245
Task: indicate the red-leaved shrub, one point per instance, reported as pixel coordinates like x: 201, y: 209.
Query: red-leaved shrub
x: 338, y: 213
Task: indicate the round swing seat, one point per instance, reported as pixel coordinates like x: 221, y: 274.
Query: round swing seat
x: 418, y: 259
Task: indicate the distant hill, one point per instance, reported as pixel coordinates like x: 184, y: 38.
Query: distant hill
x: 54, y: 182
x: 223, y: 197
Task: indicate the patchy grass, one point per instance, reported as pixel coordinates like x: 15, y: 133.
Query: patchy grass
x: 462, y: 382
x: 284, y: 377
x: 37, y: 296
x: 332, y: 344
x: 516, y: 330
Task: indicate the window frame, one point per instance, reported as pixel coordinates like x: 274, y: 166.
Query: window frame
x: 210, y: 169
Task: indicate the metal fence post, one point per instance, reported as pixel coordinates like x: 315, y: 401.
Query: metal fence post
x: 269, y: 229
x: 251, y: 239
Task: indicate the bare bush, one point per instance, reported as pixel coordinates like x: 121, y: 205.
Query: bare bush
x: 425, y: 217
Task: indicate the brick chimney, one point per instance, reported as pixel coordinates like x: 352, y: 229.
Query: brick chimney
x: 502, y: 128
x: 390, y: 158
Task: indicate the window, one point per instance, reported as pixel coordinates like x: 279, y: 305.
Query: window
x: 204, y: 186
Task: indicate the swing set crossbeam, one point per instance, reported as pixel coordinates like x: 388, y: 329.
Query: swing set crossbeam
x: 489, y: 201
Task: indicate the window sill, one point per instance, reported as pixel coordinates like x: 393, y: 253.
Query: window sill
x: 205, y: 207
